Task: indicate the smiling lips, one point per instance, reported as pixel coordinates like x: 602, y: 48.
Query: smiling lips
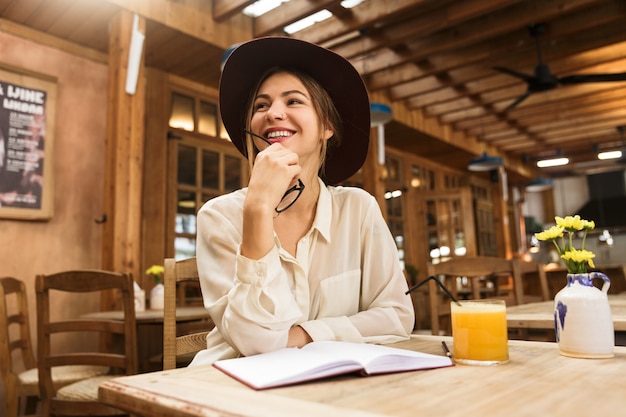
x: 278, y: 135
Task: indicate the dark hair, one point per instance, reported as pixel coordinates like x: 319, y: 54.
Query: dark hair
x: 322, y: 104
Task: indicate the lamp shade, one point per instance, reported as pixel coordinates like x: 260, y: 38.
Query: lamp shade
x: 484, y: 163
x: 379, y: 113
x: 540, y: 184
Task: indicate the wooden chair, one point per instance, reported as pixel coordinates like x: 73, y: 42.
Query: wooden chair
x: 523, y: 273
x: 19, y: 367
x: 477, y: 271
x: 175, y: 344
x: 81, y: 398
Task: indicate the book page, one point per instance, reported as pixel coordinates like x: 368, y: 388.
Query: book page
x: 285, y: 366
x: 323, y: 359
x: 379, y: 358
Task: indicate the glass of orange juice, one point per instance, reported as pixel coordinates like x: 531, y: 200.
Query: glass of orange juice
x: 479, y: 332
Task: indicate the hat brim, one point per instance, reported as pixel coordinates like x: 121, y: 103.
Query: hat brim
x: 249, y: 61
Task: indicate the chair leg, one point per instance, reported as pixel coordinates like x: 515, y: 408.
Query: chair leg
x: 12, y: 400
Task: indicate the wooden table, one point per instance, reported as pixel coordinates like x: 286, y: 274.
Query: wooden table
x: 183, y: 314
x: 541, y: 315
x: 150, y: 331
x: 536, y: 381
x: 557, y: 278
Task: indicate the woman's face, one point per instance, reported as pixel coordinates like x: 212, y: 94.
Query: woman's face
x: 283, y: 112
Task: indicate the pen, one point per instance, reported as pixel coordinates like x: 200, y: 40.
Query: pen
x: 446, y: 350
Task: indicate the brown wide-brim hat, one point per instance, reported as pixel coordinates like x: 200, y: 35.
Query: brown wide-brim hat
x: 247, y: 63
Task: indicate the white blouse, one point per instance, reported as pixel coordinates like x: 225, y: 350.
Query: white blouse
x: 345, y: 283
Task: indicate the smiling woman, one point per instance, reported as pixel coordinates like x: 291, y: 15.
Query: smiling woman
x: 261, y: 274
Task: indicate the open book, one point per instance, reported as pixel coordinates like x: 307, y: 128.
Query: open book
x: 323, y: 359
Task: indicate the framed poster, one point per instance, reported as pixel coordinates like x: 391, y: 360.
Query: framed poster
x: 27, y: 116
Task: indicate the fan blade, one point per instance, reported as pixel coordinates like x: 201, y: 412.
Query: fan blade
x: 518, y: 101
x: 514, y: 73
x: 592, y: 78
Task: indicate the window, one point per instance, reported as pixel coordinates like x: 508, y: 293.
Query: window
x: 395, y: 201
x: 206, y: 165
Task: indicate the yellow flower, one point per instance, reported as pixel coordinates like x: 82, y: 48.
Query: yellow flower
x: 570, y: 223
x: 576, y: 260
x: 579, y: 257
x: 589, y: 225
x: 156, y: 271
x: 550, y: 234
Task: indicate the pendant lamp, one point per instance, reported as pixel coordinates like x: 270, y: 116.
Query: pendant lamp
x: 380, y: 114
x: 484, y: 163
x: 540, y: 184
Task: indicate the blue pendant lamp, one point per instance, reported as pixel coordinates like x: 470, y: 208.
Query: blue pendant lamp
x: 540, y: 184
x: 380, y: 114
x: 484, y: 163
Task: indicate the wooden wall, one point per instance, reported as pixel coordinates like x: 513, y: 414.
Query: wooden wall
x: 71, y: 239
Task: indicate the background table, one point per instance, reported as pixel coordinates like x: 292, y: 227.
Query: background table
x: 536, y: 381
x: 538, y: 319
x: 150, y: 331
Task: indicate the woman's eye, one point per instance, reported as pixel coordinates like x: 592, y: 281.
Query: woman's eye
x: 294, y: 101
x: 260, y: 106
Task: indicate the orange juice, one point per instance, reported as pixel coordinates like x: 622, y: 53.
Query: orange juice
x: 479, y: 332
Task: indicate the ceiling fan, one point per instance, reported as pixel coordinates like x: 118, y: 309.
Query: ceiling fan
x: 543, y: 79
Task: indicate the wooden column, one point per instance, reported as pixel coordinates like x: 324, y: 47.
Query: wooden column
x: 157, y: 226
x: 373, y: 173
x: 501, y: 215
x: 124, y: 154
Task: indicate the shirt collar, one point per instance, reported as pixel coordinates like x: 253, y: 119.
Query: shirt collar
x: 323, y: 216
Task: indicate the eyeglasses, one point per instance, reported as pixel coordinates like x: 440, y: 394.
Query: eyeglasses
x: 292, y: 194
x: 290, y: 197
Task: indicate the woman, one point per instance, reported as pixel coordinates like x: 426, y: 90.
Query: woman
x: 316, y: 262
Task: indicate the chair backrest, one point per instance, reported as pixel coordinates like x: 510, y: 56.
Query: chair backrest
x: 174, y: 344
x: 524, y: 273
x: 122, y: 362
x: 14, y: 337
x: 476, y: 270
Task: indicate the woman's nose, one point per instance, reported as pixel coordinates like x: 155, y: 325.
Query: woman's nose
x: 275, y: 113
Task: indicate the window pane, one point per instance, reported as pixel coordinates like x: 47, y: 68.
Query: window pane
x: 181, y: 115
x: 210, y: 169
x: 207, y: 125
x: 186, y: 212
x: 186, y: 165
x: 393, y: 169
x: 223, y: 132
x: 232, y: 173
x: 185, y: 223
x: 184, y: 247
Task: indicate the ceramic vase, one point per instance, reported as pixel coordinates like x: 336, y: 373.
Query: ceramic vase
x: 582, y: 317
x: 157, y: 297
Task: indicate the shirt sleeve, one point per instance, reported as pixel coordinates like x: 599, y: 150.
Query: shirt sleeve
x: 250, y: 301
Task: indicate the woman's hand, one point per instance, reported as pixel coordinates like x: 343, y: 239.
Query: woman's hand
x: 298, y: 337
x: 275, y: 168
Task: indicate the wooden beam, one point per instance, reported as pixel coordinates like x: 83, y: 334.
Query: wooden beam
x: 52, y: 41
x: 124, y: 154
x: 400, y: 69
x: 223, y: 9
x: 193, y: 21
x: 416, y: 119
x: 275, y: 20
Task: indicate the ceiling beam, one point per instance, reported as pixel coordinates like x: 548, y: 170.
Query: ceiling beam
x: 224, y: 9
x: 193, y: 21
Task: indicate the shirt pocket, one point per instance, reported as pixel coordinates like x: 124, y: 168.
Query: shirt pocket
x: 339, y: 294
